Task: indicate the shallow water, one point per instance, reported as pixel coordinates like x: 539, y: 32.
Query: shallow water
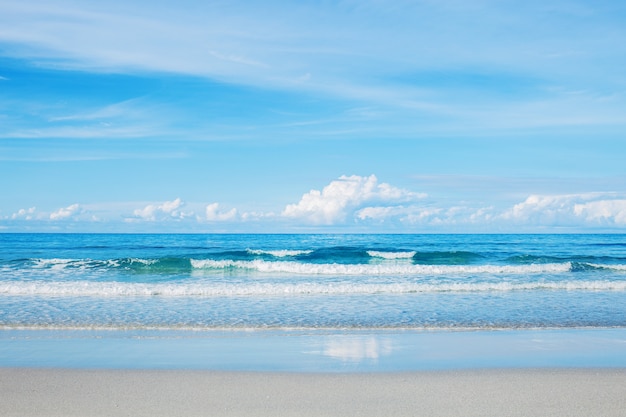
x: 314, y: 350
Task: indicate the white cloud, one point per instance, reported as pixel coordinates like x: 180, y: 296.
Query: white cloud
x: 428, y: 215
x: 570, y: 210
x: 576, y: 211
x: 610, y: 211
x: 378, y: 213
x: 24, y: 214
x: 348, y: 196
x: 405, y: 214
x: 214, y: 214
x: 165, y: 210
x: 365, y: 203
x: 482, y: 215
x: 66, y: 212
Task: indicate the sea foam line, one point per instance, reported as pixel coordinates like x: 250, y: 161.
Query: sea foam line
x: 119, y: 289
x: 391, y: 255
x: 376, y: 269
x: 279, y: 253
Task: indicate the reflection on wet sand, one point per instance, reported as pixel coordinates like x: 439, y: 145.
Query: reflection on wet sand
x: 357, y: 348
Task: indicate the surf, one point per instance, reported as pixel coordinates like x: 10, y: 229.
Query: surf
x: 125, y: 289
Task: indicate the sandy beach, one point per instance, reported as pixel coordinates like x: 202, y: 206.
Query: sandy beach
x: 512, y: 392
x: 166, y: 373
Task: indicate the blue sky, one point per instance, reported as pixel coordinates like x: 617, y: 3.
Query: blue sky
x: 313, y: 116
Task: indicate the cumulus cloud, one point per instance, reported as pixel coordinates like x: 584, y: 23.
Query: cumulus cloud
x: 66, y: 212
x: 603, y: 211
x: 577, y: 211
x: 349, y: 196
x: 365, y: 203
x: 213, y: 213
x: 405, y: 214
x: 570, y: 209
x: 24, y: 214
x: 165, y: 210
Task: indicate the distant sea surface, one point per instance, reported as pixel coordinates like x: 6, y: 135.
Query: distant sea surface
x: 333, y: 282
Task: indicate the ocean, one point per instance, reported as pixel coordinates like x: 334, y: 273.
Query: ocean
x: 86, y: 281
x: 328, y: 284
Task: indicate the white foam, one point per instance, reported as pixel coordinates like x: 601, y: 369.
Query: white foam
x: 382, y: 269
x: 123, y: 289
x: 391, y: 255
x: 59, y: 264
x: 54, y: 263
x: 143, y: 261
x: 279, y: 253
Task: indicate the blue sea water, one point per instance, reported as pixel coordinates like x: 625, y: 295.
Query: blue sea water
x: 327, y: 282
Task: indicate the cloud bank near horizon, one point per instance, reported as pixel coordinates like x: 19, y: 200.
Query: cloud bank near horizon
x: 352, y: 201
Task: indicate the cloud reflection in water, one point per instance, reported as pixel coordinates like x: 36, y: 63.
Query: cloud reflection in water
x: 356, y: 349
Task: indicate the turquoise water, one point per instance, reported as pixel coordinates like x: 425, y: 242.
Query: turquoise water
x: 312, y: 302
x: 476, y: 282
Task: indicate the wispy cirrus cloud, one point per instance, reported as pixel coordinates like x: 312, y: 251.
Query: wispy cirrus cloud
x: 127, y: 119
x: 351, y: 52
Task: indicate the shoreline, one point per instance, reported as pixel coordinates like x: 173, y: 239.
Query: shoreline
x: 515, y: 373
x: 358, y: 351
x: 478, y: 392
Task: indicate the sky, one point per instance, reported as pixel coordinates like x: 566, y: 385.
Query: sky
x: 425, y: 116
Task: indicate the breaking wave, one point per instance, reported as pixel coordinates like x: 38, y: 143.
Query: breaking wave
x: 123, y: 289
x: 391, y: 255
x: 279, y: 253
x: 403, y: 264
x: 375, y: 269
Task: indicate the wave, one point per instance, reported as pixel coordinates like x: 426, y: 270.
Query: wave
x: 124, y: 289
x: 374, y: 269
x: 359, y: 255
x: 446, y: 258
x: 57, y: 263
x: 279, y: 253
x: 137, y: 265
x: 611, y: 267
x: 391, y: 255
x: 580, y: 259
x: 408, y: 266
